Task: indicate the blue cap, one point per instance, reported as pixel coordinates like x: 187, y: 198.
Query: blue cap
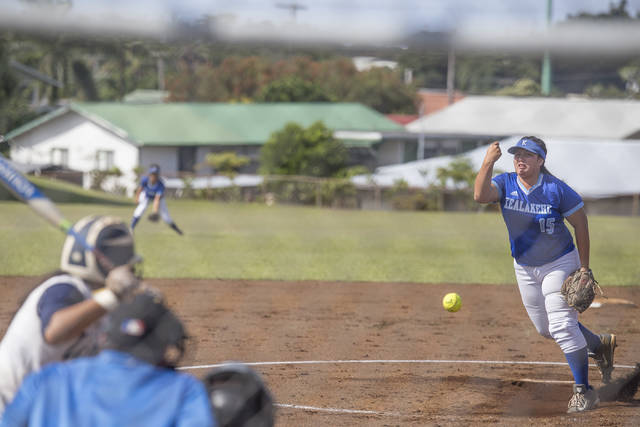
x: 529, y: 145
x: 154, y: 169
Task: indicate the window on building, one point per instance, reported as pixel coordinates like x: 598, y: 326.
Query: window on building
x: 60, y: 157
x: 186, y: 159
x: 104, y: 160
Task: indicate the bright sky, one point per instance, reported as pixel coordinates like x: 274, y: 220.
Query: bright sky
x: 419, y: 14
x: 410, y: 14
x: 354, y: 21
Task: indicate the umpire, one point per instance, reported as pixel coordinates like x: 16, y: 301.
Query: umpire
x: 131, y: 382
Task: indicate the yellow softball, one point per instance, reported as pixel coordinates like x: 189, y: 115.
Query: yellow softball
x: 452, y: 302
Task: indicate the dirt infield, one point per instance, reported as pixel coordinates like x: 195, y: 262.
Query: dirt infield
x: 387, y: 354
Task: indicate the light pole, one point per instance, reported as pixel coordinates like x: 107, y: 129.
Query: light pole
x: 545, y: 78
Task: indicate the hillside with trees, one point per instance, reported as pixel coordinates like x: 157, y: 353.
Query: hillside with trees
x: 103, y: 69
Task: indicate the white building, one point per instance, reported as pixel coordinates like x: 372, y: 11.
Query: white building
x: 492, y: 116
x: 604, y: 172
x: 478, y: 120
x: 74, y: 142
x: 178, y: 136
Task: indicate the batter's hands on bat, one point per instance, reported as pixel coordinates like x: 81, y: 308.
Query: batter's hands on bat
x: 150, y: 290
x: 122, y: 281
x: 493, y: 153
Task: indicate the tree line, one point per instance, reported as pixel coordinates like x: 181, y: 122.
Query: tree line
x: 108, y: 69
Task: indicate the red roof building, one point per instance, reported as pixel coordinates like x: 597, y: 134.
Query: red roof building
x: 402, y: 119
x: 436, y: 99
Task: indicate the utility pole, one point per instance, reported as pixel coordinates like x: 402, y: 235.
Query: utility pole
x: 420, y: 153
x: 293, y: 8
x: 160, y: 67
x: 451, y: 74
x: 545, y: 78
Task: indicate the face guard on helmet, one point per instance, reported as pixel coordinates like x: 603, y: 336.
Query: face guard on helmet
x: 110, y: 236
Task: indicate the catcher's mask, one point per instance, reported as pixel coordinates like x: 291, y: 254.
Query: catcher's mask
x: 239, y: 397
x: 110, y: 236
x: 148, y: 330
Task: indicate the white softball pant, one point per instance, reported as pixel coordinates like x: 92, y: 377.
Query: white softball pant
x: 540, y: 291
x: 162, y: 208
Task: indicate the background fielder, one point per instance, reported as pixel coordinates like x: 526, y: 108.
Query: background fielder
x: 151, y: 189
x: 534, y: 205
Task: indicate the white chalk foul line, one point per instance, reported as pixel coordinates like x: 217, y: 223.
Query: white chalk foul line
x: 418, y: 361
x: 337, y: 410
x: 533, y: 380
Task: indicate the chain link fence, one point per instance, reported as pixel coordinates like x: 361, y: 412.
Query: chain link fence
x: 333, y: 193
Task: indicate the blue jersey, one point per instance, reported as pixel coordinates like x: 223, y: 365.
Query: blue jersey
x: 535, y: 217
x: 151, y: 190
x: 111, y: 389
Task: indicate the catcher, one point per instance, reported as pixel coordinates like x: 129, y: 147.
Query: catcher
x: 151, y: 189
x: 61, y: 317
x: 534, y: 205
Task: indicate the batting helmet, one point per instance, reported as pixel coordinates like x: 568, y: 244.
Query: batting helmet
x: 239, y: 397
x: 109, y: 235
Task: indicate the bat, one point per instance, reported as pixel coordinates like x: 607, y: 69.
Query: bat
x: 25, y: 191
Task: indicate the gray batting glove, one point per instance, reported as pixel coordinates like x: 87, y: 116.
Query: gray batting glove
x: 121, y: 281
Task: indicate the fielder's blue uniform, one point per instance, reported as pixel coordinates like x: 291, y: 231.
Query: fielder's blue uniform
x: 151, y: 190
x: 535, y: 217
x: 148, y: 193
x: 111, y: 389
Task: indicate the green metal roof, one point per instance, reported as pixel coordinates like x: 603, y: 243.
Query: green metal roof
x: 171, y: 124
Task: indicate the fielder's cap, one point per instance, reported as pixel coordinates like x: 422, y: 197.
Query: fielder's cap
x: 529, y: 145
x: 154, y: 169
x: 145, y: 328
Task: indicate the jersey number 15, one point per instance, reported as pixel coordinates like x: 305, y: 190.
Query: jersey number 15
x: 547, y: 225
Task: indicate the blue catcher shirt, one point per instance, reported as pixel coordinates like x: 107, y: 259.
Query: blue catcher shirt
x: 535, y: 217
x: 111, y: 389
x: 151, y: 190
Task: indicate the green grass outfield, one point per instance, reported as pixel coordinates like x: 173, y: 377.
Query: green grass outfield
x: 250, y: 241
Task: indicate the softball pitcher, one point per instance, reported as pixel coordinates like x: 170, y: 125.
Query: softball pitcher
x: 534, y: 205
x: 151, y: 189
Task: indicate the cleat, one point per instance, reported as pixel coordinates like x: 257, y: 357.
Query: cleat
x: 175, y: 228
x: 583, y: 399
x: 604, y: 356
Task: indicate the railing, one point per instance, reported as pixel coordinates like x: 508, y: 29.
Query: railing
x: 332, y: 192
